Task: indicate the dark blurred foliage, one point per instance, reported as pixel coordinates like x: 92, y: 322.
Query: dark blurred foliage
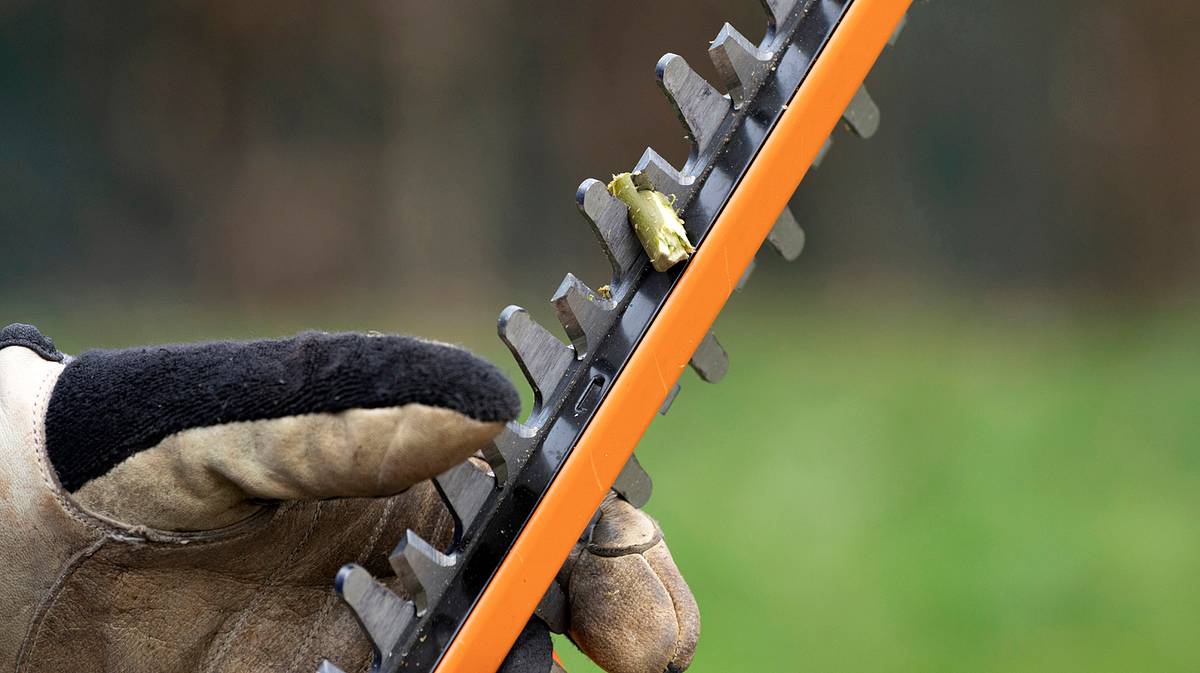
x: 270, y: 152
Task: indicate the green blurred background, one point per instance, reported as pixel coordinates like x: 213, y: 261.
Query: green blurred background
x: 960, y: 434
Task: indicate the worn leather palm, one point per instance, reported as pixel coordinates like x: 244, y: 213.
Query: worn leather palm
x: 182, y: 508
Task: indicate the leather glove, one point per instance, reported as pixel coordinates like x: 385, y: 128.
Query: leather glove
x: 184, y: 508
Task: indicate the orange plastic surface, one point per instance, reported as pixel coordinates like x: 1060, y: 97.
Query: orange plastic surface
x: 684, y: 319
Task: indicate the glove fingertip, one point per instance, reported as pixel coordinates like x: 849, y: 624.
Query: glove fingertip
x: 110, y: 405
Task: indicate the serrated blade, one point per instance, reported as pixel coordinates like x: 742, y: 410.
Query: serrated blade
x: 823, y: 152
x: 787, y: 237
x: 383, y: 616
x: 615, y: 339
x: 660, y: 175
x: 634, y: 483
x: 896, y: 33
x: 710, y: 360
x: 608, y: 217
x: 670, y: 399
x: 700, y: 107
x: 509, y: 451
x: 465, y: 488
x: 584, y: 313
x: 741, y: 284
x: 540, y: 355
x: 778, y: 11
x: 862, y: 115
x: 554, y: 609
x: 423, y: 571
x: 741, y: 65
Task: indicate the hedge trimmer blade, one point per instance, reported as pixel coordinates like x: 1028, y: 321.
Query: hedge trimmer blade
x: 752, y: 140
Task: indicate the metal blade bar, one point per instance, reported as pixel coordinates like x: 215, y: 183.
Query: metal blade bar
x: 571, y: 382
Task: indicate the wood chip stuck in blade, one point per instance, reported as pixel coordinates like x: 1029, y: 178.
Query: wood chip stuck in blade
x: 654, y: 220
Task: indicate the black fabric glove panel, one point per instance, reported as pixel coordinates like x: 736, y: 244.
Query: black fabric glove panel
x: 28, y: 336
x: 109, y: 405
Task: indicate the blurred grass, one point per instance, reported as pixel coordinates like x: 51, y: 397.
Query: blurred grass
x: 909, y: 488
x: 939, y: 489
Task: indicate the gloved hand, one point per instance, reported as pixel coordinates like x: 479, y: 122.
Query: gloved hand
x: 184, y: 508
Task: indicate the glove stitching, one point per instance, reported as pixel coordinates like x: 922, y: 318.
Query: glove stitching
x: 25, y: 654
x: 37, y: 437
x: 102, y: 524
x: 227, y: 640
x: 626, y: 550
x: 331, y: 599
x: 671, y: 667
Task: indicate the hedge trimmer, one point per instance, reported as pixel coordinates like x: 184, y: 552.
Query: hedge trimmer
x: 680, y: 241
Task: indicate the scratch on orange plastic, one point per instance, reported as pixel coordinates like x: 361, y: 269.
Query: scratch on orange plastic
x: 702, y: 290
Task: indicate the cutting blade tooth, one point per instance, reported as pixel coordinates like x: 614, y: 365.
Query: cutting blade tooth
x: 741, y: 65
x: 710, y: 360
x: 424, y: 572
x: 542, y: 357
x: 666, y: 405
x: 787, y: 237
x: 746, y: 275
x: 634, y: 484
x: 609, y: 219
x: 383, y: 615
x: 465, y: 488
x: 862, y: 115
x: 583, y: 312
x: 899, y: 29
x: 823, y: 152
x: 554, y: 609
x: 509, y: 450
x: 701, y: 108
x: 328, y: 666
x: 656, y: 172
x: 778, y: 11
